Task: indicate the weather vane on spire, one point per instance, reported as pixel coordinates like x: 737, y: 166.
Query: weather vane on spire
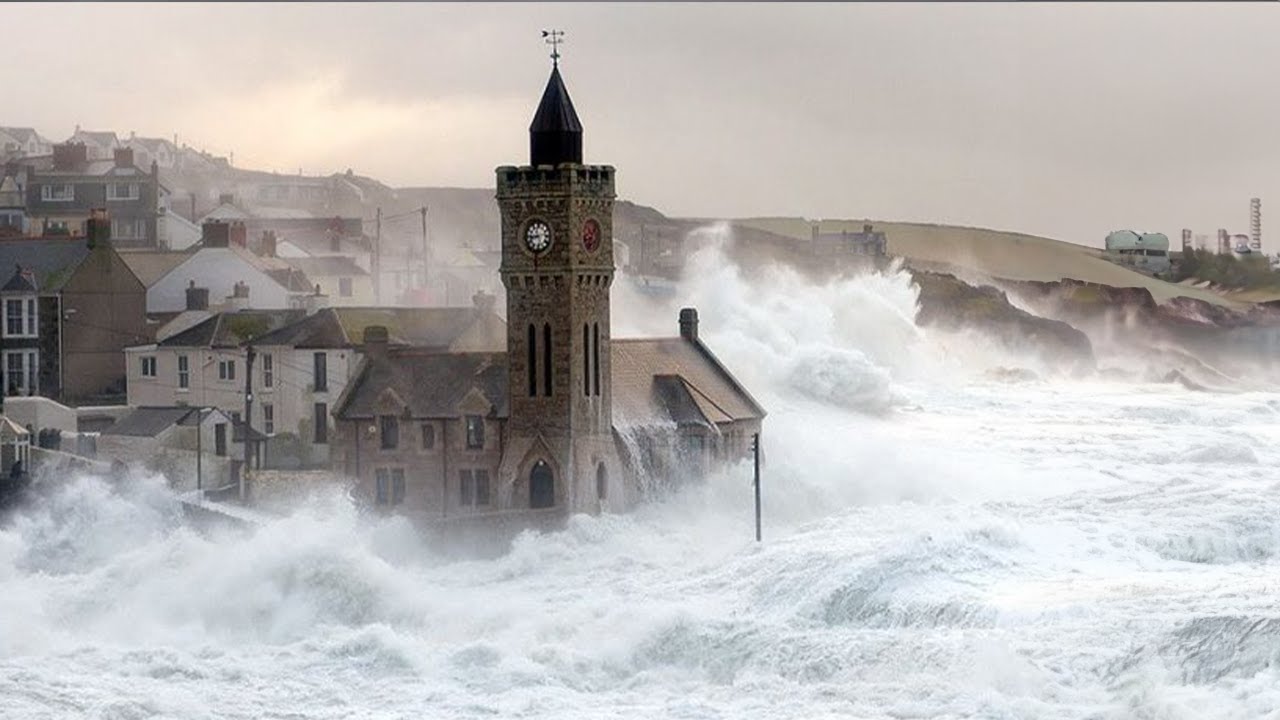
x: 554, y: 38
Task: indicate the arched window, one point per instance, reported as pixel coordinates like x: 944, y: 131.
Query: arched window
x: 586, y: 359
x: 542, y: 486
x: 533, y: 361
x: 546, y: 359
x: 602, y: 481
x: 595, y: 356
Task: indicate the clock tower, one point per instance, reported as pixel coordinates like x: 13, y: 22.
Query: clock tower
x: 557, y: 268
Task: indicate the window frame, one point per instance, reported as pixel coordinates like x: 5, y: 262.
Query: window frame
x: 26, y: 319
x: 320, y: 371
x: 227, y: 370
x: 475, y: 432
x: 184, y: 372
x: 346, y: 287
x: 320, y: 419
x: 268, y: 418
x: 28, y: 371
x: 268, y: 371
x: 388, y: 432
x: 48, y: 195
x: 427, y: 437
x: 135, y: 191
x: 149, y: 366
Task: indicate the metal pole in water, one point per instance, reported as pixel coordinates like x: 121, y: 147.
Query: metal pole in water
x: 755, y: 449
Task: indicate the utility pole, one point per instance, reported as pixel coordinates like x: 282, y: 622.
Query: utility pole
x: 248, y: 413
x: 755, y: 451
x: 425, y: 267
x: 377, y: 259
x: 199, y: 452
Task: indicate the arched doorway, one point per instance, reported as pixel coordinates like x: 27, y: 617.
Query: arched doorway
x: 602, y: 482
x: 542, y: 486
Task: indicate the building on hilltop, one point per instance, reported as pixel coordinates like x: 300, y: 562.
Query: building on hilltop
x: 564, y: 418
x: 63, y: 188
x: 99, y: 145
x: 19, y: 142
x: 869, y: 242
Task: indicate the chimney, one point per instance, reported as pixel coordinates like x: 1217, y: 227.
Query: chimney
x: 69, y: 156
x: 197, y: 297
x: 689, y: 324
x: 239, y: 297
x: 239, y: 235
x: 316, y: 301
x: 123, y: 157
x: 97, y: 229
x: 483, y: 301
x: 375, y: 342
x: 214, y: 234
x: 268, y: 243
x: 867, y: 228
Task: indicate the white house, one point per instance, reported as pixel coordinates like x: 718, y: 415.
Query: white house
x: 100, y: 145
x: 23, y: 142
x: 147, y: 150
x: 164, y: 440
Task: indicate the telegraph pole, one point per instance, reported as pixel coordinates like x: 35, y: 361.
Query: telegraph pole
x: 248, y: 413
x: 755, y: 451
x: 425, y: 268
x: 377, y: 259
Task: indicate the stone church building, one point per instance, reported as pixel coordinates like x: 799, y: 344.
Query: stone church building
x: 566, y: 419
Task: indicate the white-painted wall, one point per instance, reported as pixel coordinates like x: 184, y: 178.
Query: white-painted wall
x: 218, y: 269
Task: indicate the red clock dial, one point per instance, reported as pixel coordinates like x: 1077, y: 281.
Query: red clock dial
x: 591, y: 235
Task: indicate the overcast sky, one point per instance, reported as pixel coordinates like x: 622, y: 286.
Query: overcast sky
x: 1058, y: 119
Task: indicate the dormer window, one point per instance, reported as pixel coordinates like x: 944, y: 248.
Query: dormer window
x: 61, y: 192
x: 122, y: 191
x: 20, y: 319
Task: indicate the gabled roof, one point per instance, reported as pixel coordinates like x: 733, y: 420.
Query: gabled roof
x: 149, y: 266
x: 435, y: 329
x: 232, y: 329
x: 667, y: 380
x: 52, y: 260
x: 432, y: 385
x: 23, y: 280
x: 326, y: 266
x: 149, y: 421
x: 151, y: 144
x: 23, y: 135
x: 99, y: 137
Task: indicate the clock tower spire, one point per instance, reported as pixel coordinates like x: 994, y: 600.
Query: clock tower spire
x: 557, y: 268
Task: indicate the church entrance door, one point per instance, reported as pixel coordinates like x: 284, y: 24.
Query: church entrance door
x: 542, y: 486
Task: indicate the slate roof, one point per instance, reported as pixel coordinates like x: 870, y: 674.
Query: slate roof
x: 434, y: 329
x: 149, y: 421
x: 232, y: 329
x: 327, y: 266
x: 150, y: 266
x: 52, y: 260
x: 668, y: 380
x: 555, y: 112
x: 432, y: 385
x: 21, y: 134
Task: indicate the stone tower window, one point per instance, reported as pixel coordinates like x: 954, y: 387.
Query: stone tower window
x: 533, y: 361
x: 595, y: 356
x: 546, y: 359
x: 586, y: 360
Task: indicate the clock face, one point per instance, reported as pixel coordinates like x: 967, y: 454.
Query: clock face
x: 537, y: 237
x: 591, y: 235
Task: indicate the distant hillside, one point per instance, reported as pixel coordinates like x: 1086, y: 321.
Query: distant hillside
x: 993, y: 253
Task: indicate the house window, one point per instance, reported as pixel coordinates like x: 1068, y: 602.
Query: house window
x: 220, y: 439
x: 389, y: 430
x: 122, y: 191
x: 390, y: 485
x: 20, y: 317
x: 21, y: 370
x: 344, y: 287
x: 62, y: 192
x: 148, y: 366
x: 475, y: 432
x: 128, y: 228
x: 322, y: 424
x: 227, y: 370
x: 268, y: 418
x: 268, y: 371
x: 473, y: 488
x: 320, y: 364
x: 428, y: 436
x: 184, y: 372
